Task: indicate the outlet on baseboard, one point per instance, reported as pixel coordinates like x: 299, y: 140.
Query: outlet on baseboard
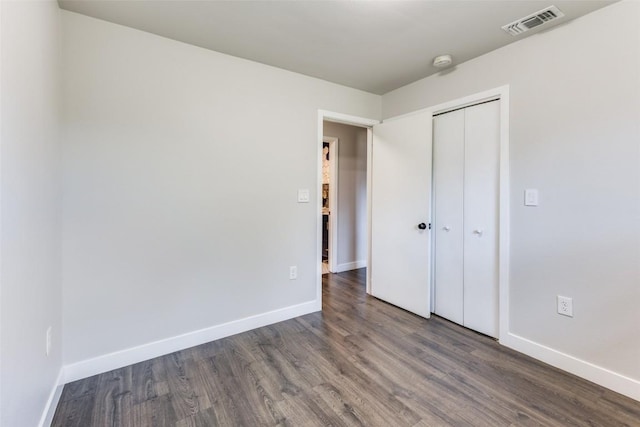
x: 48, y: 341
x: 293, y: 272
x: 565, y: 306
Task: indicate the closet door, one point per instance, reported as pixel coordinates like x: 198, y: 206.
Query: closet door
x: 448, y: 176
x: 481, y: 180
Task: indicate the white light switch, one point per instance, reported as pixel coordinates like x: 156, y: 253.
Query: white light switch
x: 531, y: 197
x: 303, y: 195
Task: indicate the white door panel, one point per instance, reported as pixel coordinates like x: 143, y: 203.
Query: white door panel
x: 448, y: 184
x: 401, y: 195
x: 481, y: 179
x: 466, y: 185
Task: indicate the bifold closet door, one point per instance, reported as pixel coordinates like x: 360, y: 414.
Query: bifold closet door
x: 448, y: 178
x: 481, y: 184
x: 465, y: 172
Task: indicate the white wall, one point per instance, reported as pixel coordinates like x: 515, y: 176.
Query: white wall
x: 31, y: 294
x: 574, y: 135
x: 352, y: 194
x: 180, y: 186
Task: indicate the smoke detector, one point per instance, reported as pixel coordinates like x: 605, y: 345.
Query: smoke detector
x: 531, y: 21
x: 442, y: 61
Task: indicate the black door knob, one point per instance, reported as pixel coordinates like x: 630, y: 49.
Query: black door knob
x: 422, y: 226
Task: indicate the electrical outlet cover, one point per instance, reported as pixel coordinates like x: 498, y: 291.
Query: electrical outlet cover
x: 565, y: 306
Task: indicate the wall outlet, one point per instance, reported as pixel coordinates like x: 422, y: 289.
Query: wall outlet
x: 48, y: 341
x: 565, y: 306
x: 293, y: 272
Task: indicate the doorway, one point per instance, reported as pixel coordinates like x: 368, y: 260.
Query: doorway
x: 344, y: 197
x: 329, y: 202
x: 392, y: 146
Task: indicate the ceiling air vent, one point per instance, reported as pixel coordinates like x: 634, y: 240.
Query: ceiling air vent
x: 534, y: 20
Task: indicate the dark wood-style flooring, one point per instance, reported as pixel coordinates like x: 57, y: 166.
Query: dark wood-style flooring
x: 360, y: 362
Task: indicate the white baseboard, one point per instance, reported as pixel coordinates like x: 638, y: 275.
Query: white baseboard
x: 350, y: 266
x: 599, y: 375
x: 52, y: 402
x: 119, y: 359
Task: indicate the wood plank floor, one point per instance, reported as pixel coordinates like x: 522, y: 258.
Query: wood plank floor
x: 361, y: 362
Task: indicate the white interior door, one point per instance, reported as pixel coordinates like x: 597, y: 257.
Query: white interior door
x: 481, y: 184
x: 448, y: 232
x: 400, y: 202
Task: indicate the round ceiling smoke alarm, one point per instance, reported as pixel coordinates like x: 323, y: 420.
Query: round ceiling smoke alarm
x: 442, y: 61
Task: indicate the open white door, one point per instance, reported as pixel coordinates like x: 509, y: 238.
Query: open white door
x: 400, y: 207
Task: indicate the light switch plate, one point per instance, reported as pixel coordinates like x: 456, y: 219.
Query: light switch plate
x: 303, y: 195
x: 531, y: 197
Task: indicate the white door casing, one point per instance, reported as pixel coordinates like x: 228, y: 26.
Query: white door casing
x: 401, y: 195
x: 353, y: 121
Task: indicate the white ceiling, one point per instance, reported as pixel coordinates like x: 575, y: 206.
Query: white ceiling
x: 376, y: 46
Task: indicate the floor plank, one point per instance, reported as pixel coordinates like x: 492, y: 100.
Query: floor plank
x: 359, y: 362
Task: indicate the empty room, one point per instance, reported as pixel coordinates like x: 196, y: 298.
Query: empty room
x: 174, y: 173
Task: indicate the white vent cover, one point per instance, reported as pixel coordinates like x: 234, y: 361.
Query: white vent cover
x: 531, y: 21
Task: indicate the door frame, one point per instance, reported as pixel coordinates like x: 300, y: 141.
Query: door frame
x: 333, y: 200
x: 499, y: 93
x: 363, y: 122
